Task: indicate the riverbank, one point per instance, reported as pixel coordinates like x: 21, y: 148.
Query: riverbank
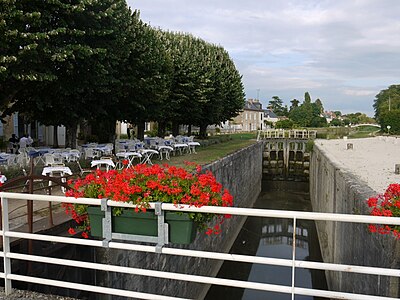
x: 372, y: 160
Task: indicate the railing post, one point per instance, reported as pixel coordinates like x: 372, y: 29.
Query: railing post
x: 293, y: 256
x: 162, y: 227
x: 106, y: 222
x: 6, y: 246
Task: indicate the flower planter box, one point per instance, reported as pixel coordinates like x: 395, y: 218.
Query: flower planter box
x: 182, y: 230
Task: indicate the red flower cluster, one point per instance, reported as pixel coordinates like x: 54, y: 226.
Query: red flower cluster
x: 386, y: 205
x: 142, y: 184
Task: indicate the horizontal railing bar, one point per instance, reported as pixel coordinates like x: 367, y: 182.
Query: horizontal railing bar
x: 261, y: 260
x: 285, y: 214
x: 153, y: 273
x: 253, y: 212
x: 347, y: 268
x: 338, y: 295
x: 52, y: 238
x: 91, y: 288
x: 2, y: 275
x: 198, y: 279
x: 213, y: 255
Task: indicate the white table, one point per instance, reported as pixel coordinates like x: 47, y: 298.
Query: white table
x: 181, y: 147
x: 166, y: 150
x: 130, y: 156
x: 146, y: 155
x: 102, y: 162
x: 192, y: 146
x: 57, y: 170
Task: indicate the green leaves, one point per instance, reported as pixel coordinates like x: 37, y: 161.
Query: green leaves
x: 64, y: 61
x: 387, y: 108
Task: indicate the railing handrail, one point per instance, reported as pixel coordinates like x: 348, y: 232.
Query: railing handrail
x: 254, y: 212
x: 295, y: 215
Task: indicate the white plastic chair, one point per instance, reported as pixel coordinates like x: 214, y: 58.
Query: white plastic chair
x: 22, y: 159
x: 48, y: 159
x: 82, y: 171
x: 74, y: 155
x: 91, y: 153
x: 38, y: 181
x: 108, y: 149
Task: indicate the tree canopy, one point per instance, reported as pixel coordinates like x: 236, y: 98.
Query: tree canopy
x: 387, y: 108
x: 65, y: 61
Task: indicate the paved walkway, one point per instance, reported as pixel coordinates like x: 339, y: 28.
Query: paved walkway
x: 18, y: 214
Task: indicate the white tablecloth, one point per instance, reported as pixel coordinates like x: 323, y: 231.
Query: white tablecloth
x: 107, y: 162
x: 56, y: 169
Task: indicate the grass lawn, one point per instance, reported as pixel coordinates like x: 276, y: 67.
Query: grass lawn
x: 213, y: 152
x: 365, y: 131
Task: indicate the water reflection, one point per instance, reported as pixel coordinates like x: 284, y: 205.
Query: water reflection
x: 270, y: 237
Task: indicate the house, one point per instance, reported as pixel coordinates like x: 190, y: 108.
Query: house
x: 251, y: 118
x: 43, y: 135
x: 329, y: 116
x: 270, y: 116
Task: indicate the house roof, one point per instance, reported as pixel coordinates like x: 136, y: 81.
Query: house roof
x: 253, y: 105
x: 269, y: 114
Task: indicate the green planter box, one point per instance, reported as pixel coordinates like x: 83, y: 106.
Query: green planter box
x: 182, y: 230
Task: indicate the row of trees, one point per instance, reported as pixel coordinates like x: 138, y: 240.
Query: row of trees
x: 306, y: 114
x: 62, y: 62
x: 387, y: 109
x: 310, y: 114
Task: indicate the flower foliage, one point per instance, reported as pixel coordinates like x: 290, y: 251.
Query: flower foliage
x: 142, y: 184
x: 386, y: 205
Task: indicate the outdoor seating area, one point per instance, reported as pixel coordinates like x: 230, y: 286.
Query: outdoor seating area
x: 61, y: 162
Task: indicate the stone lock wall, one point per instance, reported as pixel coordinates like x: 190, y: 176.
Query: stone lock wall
x: 336, y: 191
x: 241, y: 174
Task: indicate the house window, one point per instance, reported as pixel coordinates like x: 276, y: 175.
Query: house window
x: 261, y: 116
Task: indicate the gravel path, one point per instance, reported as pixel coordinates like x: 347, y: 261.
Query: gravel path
x: 26, y: 295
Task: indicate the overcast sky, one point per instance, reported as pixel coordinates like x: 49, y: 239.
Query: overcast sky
x: 341, y: 51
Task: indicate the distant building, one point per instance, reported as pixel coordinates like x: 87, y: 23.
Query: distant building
x: 329, y: 116
x: 270, y: 116
x: 251, y: 118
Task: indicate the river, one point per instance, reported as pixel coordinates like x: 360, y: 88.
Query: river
x: 271, y: 237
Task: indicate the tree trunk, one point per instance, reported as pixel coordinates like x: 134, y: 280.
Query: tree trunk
x: 140, y: 129
x: 161, y: 129
x: 175, y: 128
x: 71, y: 140
x: 203, y: 131
x: 55, y: 136
x: 189, y: 132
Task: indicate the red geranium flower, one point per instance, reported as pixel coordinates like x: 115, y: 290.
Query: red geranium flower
x: 387, y: 205
x: 141, y: 184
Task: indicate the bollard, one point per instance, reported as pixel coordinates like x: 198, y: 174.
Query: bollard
x: 349, y: 146
x: 397, y: 168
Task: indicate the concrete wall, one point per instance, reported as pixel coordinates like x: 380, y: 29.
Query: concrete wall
x: 241, y: 174
x: 336, y: 191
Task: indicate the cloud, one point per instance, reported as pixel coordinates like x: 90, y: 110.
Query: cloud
x: 353, y: 92
x: 344, y: 52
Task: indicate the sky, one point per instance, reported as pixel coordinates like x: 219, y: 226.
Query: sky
x: 343, y: 52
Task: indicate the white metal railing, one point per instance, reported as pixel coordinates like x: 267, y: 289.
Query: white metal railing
x: 8, y: 255
x: 285, y: 134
